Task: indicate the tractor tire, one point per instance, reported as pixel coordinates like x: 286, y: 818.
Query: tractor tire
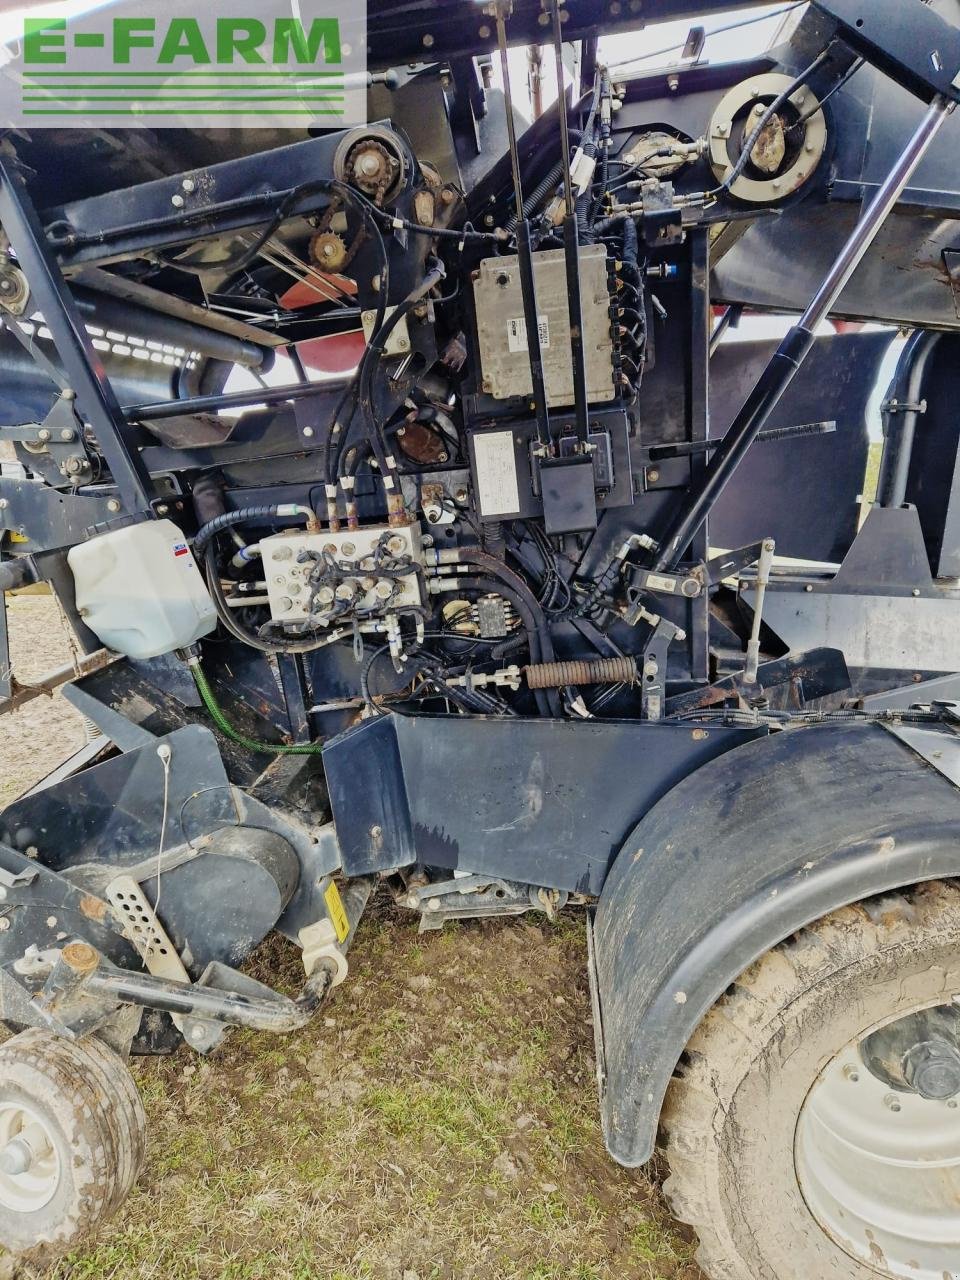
x: 789, y: 1156
x: 72, y: 1140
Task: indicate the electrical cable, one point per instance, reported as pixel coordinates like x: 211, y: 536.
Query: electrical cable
x: 747, y: 149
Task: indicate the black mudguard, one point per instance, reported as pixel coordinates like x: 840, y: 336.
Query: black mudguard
x: 739, y: 855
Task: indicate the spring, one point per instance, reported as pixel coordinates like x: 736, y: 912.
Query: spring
x: 556, y: 675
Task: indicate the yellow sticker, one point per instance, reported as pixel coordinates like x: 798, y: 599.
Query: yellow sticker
x: 17, y: 537
x: 338, y: 917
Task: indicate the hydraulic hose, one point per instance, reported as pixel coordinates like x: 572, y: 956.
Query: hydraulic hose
x: 254, y: 745
x: 268, y: 511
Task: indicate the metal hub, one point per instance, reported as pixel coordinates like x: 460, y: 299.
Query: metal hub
x: 879, y: 1164
x: 29, y: 1162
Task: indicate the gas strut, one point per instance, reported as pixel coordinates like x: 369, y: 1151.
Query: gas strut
x: 571, y: 246
x: 795, y: 347
x: 524, y: 247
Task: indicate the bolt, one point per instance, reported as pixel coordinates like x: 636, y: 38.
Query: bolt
x: 162, y: 509
x: 891, y: 1103
x: 447, y: 196
x: 113, y: 505
x: 759, y: 109
x: 68, y: 393
x: 73, y: 466
x: 80, y: 957
x: 442, y: 457
x: 851, y: 1073
x: 653, y: 475
x: 308, y: 432
x: 348, y: 549
x: 461, y: 495
x: 484, y: 32
x: 188, y: 185
x: 43, y: 434
x: 433, y: 904
x: 376, y: 833
x: 428, y: 41
x: 66, y: 434
x: 177, y: 200
x: 4, y: 503
x: 808, y: 587
x: 916, y: 591
x: 488, y: 219
x: 198, y: 1034
x: 700, y: 734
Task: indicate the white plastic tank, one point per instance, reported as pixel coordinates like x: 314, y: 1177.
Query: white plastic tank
x: 139, y: 589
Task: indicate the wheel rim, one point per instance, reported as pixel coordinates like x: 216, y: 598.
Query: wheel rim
x: 28, y: 1151
x: 879, y: 1169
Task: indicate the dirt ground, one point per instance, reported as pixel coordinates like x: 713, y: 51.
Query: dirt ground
x: 439, y: 1123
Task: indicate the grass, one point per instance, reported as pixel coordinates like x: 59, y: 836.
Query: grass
x: 440, y: 1121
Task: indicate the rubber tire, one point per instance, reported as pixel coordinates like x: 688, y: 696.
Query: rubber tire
x: 731, y: 1112
x: 96, y: 1119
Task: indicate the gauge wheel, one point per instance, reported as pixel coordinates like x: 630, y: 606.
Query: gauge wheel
x: 72, y: 1137
x: 813, y: 1126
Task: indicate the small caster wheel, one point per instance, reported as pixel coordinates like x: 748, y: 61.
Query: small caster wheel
x: 72, y: 1138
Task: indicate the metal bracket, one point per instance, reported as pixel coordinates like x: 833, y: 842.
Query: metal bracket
x: 904, y: 406
x: 939, y: 747
x: 951, y: 264
x: 56, y: 449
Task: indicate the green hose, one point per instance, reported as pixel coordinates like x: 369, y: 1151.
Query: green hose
x: 227, y: 729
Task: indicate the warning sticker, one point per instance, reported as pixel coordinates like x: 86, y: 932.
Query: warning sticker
x: 498, y: 492
x: 336, y: 911
x: 517, y: 333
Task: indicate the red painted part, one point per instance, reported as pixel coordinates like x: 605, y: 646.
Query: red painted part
x: 338, y: 353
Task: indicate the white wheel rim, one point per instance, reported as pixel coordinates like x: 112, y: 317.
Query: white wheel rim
x: 35, y: 1187
x: 879, y: 1170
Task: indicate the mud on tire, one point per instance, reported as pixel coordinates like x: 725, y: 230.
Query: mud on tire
x: 87, y: 1103
x: 731, y: 1112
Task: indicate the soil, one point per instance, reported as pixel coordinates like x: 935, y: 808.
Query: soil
x: 438, y: 1121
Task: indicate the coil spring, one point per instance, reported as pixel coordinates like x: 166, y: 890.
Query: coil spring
x: 556, y: 675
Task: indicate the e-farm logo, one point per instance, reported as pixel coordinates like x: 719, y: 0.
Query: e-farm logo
x: 258, y: 63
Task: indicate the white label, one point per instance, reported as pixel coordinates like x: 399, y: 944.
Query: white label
x: 496, y: 469
x: 656, y: 583
x: 517, y: 333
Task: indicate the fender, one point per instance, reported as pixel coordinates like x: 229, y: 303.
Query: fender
x: 739, y: 855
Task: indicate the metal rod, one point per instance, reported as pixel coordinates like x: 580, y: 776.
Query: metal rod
x: 689, y: 448
x: 82, y: 365
x: 571, y: 247
x: 528, y: 288
x: 228, y: 400
x: 729, y: 320
x: 258, y: 1013
x: 795, y: 347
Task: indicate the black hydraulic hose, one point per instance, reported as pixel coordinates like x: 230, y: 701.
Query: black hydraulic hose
x: 901, y: 413
x: 534, y: 200
x: 497, y: 569
x: 239, y: 632
x: 364, y: 379
x: 267, y: 511
x: 546, y: 705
